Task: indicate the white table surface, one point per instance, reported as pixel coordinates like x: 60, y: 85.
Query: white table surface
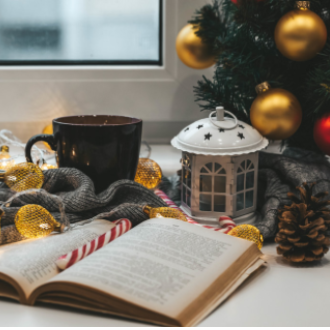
x: 281, y: 295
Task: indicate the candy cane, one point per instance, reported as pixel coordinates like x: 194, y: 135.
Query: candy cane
x: 225, y: 223
x: 67, y: 260
x: 124, y: 225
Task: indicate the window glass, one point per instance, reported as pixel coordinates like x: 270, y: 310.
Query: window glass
x: 188, y: 198
x: 217, y: 167
x: 80, y: 30
x: 209, y: 167
x: 243, y: 165
x: 240, y: 202
x: 222, y: 171
x: 204, y: 170
x: 240, y: 182
x: 187, y: 175
x: 187, y: 161
x: 205, y: 183
x: 219, y: 184
x: 249, y: 199
x: 184, y: 194
x: 205, y: 202
x: 249, y: 180
x: 219, y: 203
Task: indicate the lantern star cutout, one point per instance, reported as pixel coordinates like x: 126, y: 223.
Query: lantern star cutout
x: 187, y: 129
x: 207, y: 136
x: 241, y: 136
x: 241, y: 126
x: 199, y: 126
x: 221, y: 130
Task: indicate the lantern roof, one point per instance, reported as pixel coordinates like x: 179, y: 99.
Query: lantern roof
x: 219, y: 135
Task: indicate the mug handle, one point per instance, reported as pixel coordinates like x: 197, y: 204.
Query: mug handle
x: 49, y: 138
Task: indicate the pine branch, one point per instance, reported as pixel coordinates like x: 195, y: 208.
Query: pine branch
x: 242, y: 37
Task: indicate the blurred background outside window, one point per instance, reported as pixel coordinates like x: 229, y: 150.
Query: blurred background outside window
x: 80, y: 31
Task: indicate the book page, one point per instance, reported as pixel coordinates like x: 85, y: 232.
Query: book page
x: 31, y: 263
x: 162, y: 264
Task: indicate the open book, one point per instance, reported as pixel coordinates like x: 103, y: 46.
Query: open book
x: 163, y: 271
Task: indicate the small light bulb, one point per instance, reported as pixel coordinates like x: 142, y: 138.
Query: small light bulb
x: 148, y: 173
x: 23, y: 176
x: 34, y: 221
x: 163, y: 212
x: 249, y: 233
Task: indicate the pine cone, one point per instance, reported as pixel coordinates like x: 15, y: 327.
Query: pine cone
x: 304, y: 226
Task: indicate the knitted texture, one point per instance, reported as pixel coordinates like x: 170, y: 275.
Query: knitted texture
x: 123, y: 199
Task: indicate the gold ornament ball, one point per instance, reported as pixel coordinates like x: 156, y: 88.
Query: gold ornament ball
x: 276, y: 114
x: 148, y: 173
x: 48, y: 130
x: 249, y: 233
x: 23, y: 176
x: 33, y: 221
x: 192, y: 51
x: 300, y: 35
x: 164, y: 212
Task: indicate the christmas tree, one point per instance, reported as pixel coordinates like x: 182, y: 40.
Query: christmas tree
x: 252, y: 45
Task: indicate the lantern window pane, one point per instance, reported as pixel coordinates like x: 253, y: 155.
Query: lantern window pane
x: 249, y: 180
x: 222, y: 171
x: 243, y: 165
x: 239, y: 170
x: 240, y: 202
x: 188, y: 198
x: 209, y: 166
x: 187, y: 161
x: 249, y: 199
x: 240, y: 182
x: 205, y: 183
x: 219, y: 184
x: 187, y: 176
x: 205, y: 202
x: 204, y: 170
x: 219, y: 203
x: 249, y: 165
x: 217, y: 167
x: 184, y: 194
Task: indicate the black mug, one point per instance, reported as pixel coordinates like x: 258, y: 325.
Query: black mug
x: 106, y: 148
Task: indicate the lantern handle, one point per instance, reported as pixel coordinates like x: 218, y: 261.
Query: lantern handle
x: 222, y: 121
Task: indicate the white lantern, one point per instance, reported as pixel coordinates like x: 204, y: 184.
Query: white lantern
x: 219, y: 167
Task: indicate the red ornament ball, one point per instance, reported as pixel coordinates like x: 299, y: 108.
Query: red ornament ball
x: 322, y: 133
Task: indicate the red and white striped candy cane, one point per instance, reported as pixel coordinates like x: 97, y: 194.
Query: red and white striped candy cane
x: 225, y: 223
x: 67, y: 260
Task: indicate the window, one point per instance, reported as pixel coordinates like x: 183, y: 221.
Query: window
x: 186, y: 179
x: 212, y: 187
x: 80, y: 32
x: 160, y: 93
x: 245, y: 185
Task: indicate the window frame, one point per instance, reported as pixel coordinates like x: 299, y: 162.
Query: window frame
x: 214, y: 173
x: 185, y: 188
x: 40, y: 63
x: 254, y: 158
